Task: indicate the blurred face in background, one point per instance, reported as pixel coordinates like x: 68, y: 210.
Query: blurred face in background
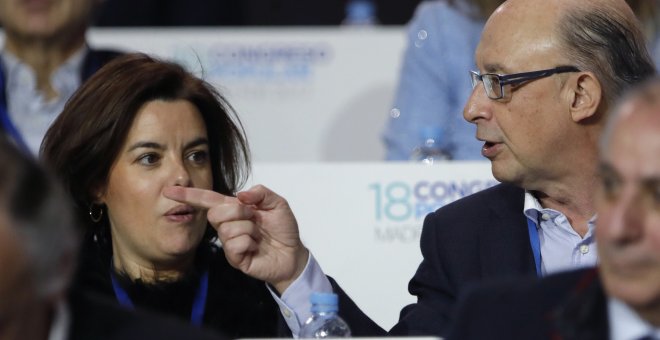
x: 628, y: 231
x: 167, y: 145
x: 45, y: 19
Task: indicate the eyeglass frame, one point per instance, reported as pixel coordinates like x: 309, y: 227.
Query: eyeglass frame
x: 517, y: 78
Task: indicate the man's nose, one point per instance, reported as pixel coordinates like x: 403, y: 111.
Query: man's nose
x: 627, y: 219
x: 478, y: 105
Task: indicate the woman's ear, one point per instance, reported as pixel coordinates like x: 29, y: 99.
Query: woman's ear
x: 98, y: 194
x: 586, y: 96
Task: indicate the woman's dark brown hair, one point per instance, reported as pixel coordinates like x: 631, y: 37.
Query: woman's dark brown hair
x: 84, y: 141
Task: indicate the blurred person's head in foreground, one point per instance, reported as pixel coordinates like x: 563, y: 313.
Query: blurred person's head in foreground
x: 628, y: 232
x: 37, y: 246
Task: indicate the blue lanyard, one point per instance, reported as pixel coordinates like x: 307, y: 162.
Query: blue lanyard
x: 536, y: 245
x: 5, y: 121
x: 199, y: 304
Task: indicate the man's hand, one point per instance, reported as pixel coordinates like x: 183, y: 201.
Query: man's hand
x: 258, y: 231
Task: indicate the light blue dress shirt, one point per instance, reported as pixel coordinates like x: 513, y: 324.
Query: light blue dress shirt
x: 562, y: 248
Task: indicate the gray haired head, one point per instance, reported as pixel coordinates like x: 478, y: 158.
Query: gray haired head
x: 645, y: 96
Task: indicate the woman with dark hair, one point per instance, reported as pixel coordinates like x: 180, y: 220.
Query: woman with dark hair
x: 137, y: 126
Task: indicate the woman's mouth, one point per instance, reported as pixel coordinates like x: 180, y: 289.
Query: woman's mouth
x: 181, y: 214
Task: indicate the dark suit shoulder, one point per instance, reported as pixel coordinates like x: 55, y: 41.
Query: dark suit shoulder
x: 493, y: 214
x: 523, y: 308
x: 95, y: 59
x: 529, y: 290
x: 105, y: 55
x: 499, y: 196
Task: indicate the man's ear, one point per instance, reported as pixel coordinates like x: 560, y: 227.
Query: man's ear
x: 585, y: 97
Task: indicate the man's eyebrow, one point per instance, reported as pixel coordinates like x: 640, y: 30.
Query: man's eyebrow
x: 495, y: 68
x: 146, y: 145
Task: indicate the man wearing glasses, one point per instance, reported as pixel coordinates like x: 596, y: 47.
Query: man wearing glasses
x: 619, y: 300
x: 548, y: 71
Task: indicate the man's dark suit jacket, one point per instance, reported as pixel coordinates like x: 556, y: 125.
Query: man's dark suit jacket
x: 93, y: 317
x: 480, y: 237
x: 570, y: 305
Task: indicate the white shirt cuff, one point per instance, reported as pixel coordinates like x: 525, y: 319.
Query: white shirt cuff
x: 294, y: 303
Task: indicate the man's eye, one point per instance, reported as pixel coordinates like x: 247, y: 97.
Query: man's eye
x: 611, y: 186
x: 655, y: 194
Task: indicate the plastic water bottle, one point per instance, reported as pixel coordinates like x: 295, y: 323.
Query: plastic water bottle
x: 429, y: 150
x: 325, y: 322
x: 360, y: 13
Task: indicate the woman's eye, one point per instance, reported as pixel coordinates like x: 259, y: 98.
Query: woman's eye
x: 198, y: 157
x: 148, y: 159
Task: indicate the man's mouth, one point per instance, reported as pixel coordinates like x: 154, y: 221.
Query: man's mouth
x: 490, y: 149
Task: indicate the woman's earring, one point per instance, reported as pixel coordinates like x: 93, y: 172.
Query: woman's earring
x: 95, y: 212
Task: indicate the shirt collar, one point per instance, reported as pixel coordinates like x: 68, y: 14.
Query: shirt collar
x: 532, y: 208
x: 73, y: 65
x: 625, y: 323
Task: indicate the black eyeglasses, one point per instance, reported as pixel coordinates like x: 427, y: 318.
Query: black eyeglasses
x: 494, y: 83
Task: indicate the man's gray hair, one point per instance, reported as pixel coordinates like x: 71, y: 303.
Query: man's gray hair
x: 641, y: 97
x: 40, y: 214
x: 608, y: 42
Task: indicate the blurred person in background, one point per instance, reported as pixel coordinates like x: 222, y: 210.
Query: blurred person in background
x: 38, y: 248
x: 433, y: 89
x: 44, y: 60
x: 619, y: 299
x: 137, y: 126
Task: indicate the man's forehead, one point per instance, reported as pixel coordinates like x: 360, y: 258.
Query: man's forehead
x: 514, y: 34
x: 635, y: 142
x: 517, y: 53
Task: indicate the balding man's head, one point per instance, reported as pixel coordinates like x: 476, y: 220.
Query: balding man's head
x: 553, y: 67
